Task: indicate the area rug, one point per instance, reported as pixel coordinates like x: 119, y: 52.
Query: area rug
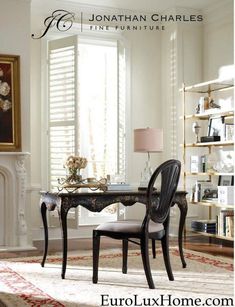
x: 23, y: 282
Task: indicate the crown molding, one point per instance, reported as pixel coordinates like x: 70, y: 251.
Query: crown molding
x: 101, y: 9
x: 87, y: 9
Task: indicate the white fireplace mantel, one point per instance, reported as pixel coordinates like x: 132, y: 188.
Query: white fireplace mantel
x: 13, y: 185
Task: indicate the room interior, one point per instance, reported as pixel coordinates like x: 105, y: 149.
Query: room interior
x: 153, y: 68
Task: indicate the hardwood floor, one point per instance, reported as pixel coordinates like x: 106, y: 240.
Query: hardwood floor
x: 215, y: 247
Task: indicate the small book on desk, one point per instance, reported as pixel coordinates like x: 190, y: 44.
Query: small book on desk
x: 119, y: 187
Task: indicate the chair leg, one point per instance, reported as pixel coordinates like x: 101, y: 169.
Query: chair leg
x: 145, y: 259
x: 165, y: 251
x: 96, y: 250
x: 124, y: 255
x: 154, y: 248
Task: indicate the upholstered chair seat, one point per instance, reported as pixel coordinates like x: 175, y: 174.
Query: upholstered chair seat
x: 129, y: 226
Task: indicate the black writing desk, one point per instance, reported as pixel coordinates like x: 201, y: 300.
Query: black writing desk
x: 96, y: 202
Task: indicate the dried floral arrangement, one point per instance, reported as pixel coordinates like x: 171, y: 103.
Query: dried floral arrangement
x: 74, y: 163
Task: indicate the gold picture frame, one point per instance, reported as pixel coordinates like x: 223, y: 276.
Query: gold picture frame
x: 10, y: 118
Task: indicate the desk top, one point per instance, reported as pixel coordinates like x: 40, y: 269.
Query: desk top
x: 82, y: 192
x: 97, y: 201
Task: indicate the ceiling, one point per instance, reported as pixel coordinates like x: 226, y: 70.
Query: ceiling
x: 147, y: 5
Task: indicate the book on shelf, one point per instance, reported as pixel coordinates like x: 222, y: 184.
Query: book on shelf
x: 225, y: 223
x: 198, y: 164
x: 229, y: 226
x: 119, y: 187
x: 208, y: 226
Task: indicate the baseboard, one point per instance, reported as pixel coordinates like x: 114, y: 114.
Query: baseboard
x: 55, y: 245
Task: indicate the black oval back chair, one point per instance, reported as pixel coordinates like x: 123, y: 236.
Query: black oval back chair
x: 155, y: 224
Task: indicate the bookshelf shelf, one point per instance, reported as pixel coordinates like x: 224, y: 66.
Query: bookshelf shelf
x: 196, y: 174
x: 211, y: 203
x: 207, y: 115
x: 208, y: 144
x: 209, y: 86
x: 212, y: 235
x: 208, y: 174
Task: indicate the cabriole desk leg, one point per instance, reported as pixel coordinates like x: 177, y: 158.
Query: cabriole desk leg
x: 45, y: 226
x: 183, y: 212
x: 63, y: 220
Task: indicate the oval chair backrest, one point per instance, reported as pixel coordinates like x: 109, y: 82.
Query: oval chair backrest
x: 170, y: 173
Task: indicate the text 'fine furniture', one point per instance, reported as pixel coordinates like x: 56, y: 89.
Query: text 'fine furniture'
x: 96, y: 202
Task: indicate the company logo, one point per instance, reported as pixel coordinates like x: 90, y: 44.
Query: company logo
x: 61, y: 19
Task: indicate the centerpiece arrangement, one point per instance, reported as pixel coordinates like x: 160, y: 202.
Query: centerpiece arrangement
x: 74, y: 180
x: 73, y: 165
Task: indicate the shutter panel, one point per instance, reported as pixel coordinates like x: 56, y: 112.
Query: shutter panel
x: 62, y: 93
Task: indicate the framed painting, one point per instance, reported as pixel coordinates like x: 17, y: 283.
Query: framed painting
x: 226, y: 180
x: 10, y: 125
x: 216, y: 127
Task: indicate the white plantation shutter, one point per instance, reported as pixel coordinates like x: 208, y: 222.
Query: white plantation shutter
x: 62, y: 104
x: 87, y: 99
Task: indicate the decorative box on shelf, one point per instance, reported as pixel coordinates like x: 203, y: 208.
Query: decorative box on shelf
x: 225, y: 195
x: 195, y: 164
x: 214, y: 138
x: 198, y: 164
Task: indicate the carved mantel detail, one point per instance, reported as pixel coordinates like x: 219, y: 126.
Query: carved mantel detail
x: 21, y: 176
x: 13, y: 169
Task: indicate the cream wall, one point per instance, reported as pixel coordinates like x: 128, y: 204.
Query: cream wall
x: 218, y: 36
x: 145, y: 93
x: 15, y: 40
